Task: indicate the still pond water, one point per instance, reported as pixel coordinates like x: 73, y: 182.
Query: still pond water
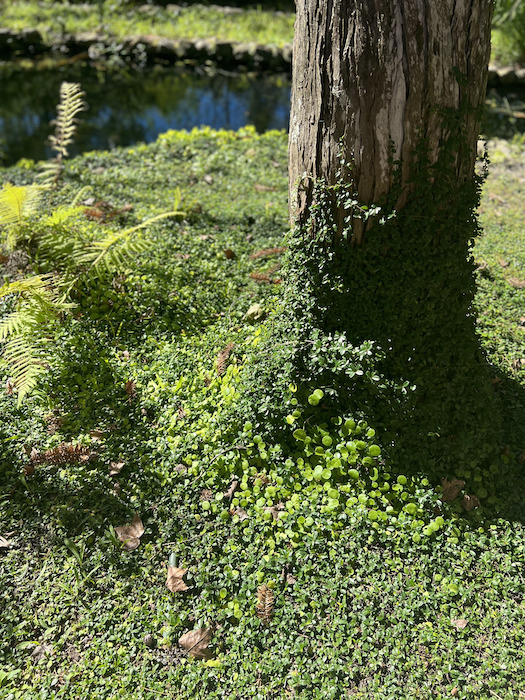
x: 129, y: 107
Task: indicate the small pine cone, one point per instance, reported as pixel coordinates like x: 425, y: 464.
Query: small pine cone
x: 265, y: 603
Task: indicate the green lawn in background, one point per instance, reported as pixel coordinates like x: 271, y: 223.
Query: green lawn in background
x: 192, y: 22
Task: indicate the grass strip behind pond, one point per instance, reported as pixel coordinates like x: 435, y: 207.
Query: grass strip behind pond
x: 141, y: 373
x: 249, y: 25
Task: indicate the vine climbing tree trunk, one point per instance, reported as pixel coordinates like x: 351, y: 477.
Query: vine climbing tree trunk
x: 385, y: 116
x: 372, y: 81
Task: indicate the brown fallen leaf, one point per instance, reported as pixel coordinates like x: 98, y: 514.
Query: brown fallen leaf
x: 516, y: 282
x: 267, y: 251
x: 233, y: 487
x: 221, y: 363
x: 470, y: 502
x: 174, y: 580
x: 264, y: 188
x: 4, y: 544
x: 130, y: 535
x: 131, y: 390
x: 65, y: 453
x: 451, y: 489
x: 240, y: 513
x: 196, y: 643
x: 275, y: 510
x: 459, y: 624
x: 40, y: 652
x: 230, y: 254
x: 503, y: 263
x: 116, y: 467
x: 96, y: 434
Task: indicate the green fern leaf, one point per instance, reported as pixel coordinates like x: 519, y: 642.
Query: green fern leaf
x: 15, y: 202
x: 70, y: 104
x: 117, y: 246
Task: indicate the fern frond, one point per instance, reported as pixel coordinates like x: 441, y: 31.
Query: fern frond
x: 37, y: 285
x: 12, y: 324
x: 23, y: 332
x: 15, y: 202
x: 71, y: 103
x: 43, y: 291
x: 116, y: 247
x: 28, y: 359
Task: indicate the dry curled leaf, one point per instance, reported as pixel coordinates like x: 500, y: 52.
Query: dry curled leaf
x: 267, y: 251
x: 261, y: 277
x: 116, y: 467
x: 130, y: 535
x: 196, y: 643
x: 40, y: 652
x: 265, y: 603
x: 240, y: 513
x: 174, y: 580
x: 29, y: 469
x: 470, y: 502
x: 451, y: 489
x: 4, y: 544
x: 275, y: 510
x: 223, y: 357
x: 264, y: 188
x: 233, y: 487
x: 131, y: 389
x: 516, y: 283
x: 65, y: 453
x: 459, y: 624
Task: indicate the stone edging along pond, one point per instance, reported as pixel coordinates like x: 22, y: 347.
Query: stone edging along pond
x: 143, y: 49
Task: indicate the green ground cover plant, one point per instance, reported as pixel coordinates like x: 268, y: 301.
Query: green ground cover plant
x: 180, y: 518
x: 508, y: 38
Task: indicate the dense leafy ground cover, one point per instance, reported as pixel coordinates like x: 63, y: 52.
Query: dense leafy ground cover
x: 306, y: 594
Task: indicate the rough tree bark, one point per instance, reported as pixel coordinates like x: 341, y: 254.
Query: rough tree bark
x: 393, y: 89
x: 375, y: 76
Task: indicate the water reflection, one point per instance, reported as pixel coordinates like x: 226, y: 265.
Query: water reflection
x: 125, y: 107
x: 128, y: 107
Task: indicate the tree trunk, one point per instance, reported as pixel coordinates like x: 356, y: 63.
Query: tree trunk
x: 384, y: 124
x: 372, y: 80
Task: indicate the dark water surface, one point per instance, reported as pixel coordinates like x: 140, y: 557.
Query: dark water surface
x: 128, y: 107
